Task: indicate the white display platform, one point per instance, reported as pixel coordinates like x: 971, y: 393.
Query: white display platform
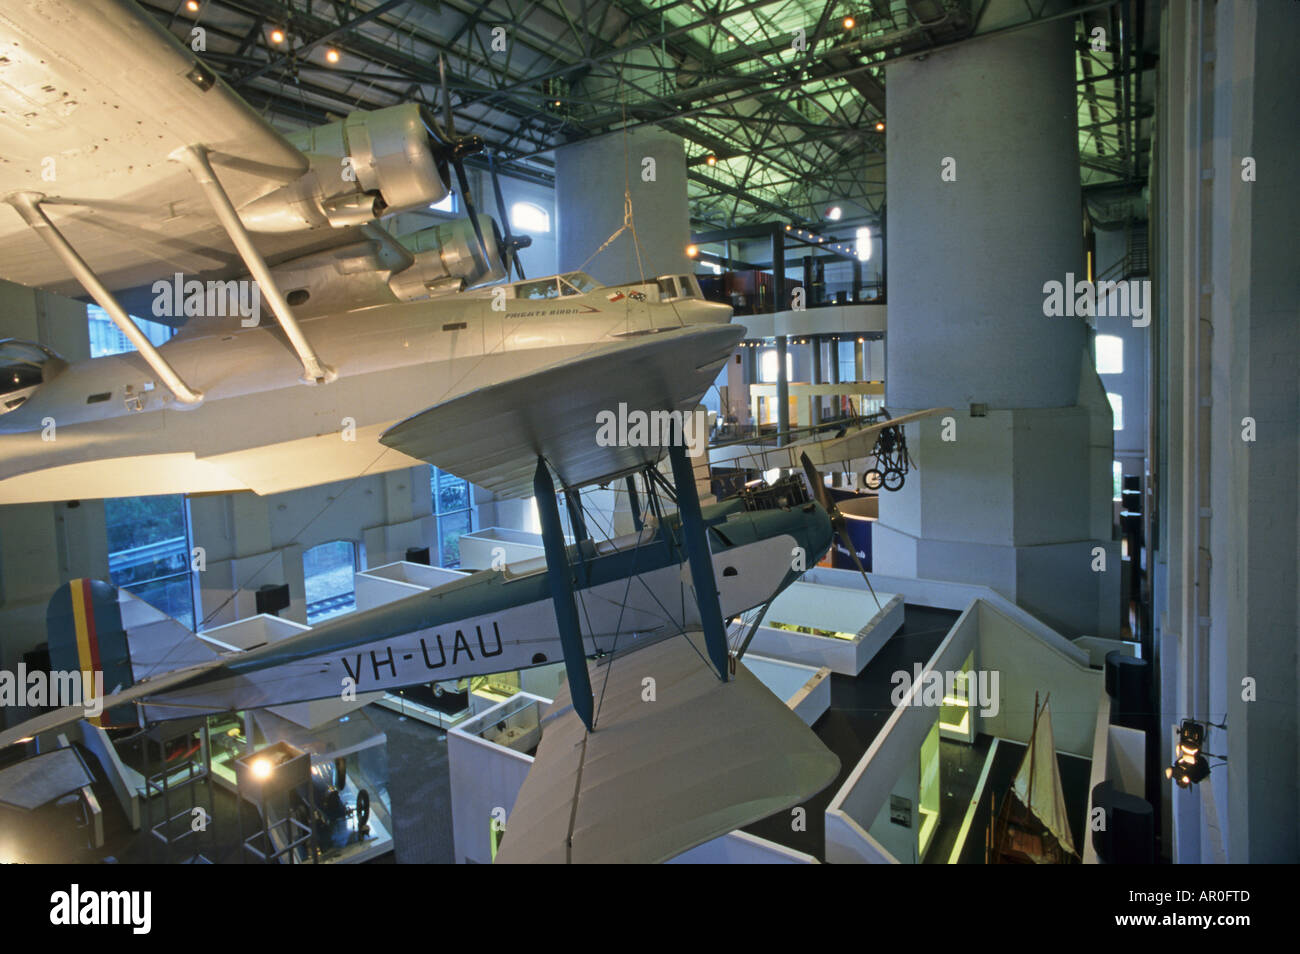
x: 511, y: 546
x: 393, y: 581
x: 832, y: 608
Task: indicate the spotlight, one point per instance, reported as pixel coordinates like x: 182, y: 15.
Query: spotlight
x: 692, y: 251
x: 261, y: 768
x: 880, y: 125
x: 332, y: 55
x: 192, y: 6
x: 834, y: 213
x: 849, y: 23
x: 1191, y: 766
x: 277, y: 36
x: 711, y: 159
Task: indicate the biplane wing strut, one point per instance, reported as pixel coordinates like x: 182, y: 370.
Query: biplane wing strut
x: 560, y: 576
x: 700, y: 559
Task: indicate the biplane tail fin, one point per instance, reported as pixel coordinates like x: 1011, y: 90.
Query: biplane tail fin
x: 94, y: 627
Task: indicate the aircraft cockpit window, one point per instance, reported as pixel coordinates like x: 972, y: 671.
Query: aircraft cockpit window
x: 581, y: 281
x: 545, y: 288
x: 667, y: 289
x: 690, y: 286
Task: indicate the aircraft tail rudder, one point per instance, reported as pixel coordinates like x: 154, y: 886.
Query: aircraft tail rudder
x: 83, y: 623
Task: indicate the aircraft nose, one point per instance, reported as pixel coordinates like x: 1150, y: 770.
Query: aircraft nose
x: 696, y: 311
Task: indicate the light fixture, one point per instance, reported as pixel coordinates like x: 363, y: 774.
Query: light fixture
x: 692, y: 251
x: 277, y: 36
x: 261, y: 768
x: 834, y: 213
x: 880, y: 125
x: 192, y: 6
x: 1191, y: 766
x: 849, y: 23
x: 332, y: 55
x: 711, y: 159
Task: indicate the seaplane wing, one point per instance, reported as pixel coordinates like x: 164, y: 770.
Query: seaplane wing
x: 657, y: 777
x: 94, y: 98
x: 856, y: 444
x: 492, y: 437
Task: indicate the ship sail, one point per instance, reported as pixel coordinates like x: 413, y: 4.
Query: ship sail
x: 1038, y: 783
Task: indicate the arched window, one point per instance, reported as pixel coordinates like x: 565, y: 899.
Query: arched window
x: 528, y: 217
x: 328, y: 570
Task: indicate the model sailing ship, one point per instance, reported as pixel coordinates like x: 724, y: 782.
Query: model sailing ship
x: 1031, y: 825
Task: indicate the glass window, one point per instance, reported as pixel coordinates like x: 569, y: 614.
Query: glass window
x: 667, y: 289
x: 106, y: 339
x: 528, y: 217
x: 546, y: 288
x: 863, y: 241
x: 330, y: 587
x: 1110, y: 354
x: 581, y: 281
x: 1116, y: 410
x: 1117, y: 478
x: 453, y: 501
x: 149, y: 552
x: 767, y: 366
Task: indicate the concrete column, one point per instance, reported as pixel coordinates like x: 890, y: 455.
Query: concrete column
x: 1007, y: 503
x: 815, y: 347
x: 782, y: 388
x: 590, y: 180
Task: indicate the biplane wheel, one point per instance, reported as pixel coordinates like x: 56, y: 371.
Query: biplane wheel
x: 872, y: 479
x: 893, y: 479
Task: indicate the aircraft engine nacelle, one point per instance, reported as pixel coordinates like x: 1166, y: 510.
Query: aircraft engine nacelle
x: 373, y: 163
x: 24, y: 367
x: 447, y: 258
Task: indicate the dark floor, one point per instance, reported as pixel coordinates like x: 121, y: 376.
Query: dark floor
x: 859, y: 709
x: 420, y: 787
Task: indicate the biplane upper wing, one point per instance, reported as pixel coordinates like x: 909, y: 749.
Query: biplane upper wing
x: 656, y: 778
x: 854, y: 445
x: 95, y: 97
x: 493, y: 436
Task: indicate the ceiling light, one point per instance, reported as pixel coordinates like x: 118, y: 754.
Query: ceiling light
x: 332, y: 55
x: 192, y: 6
x: 277, y: 36
x: 834, y: 213
x: 711, y: 159
x: 880, y: 125
x: 849, y: 23
x: 692, y: 251
x: 261, y: 768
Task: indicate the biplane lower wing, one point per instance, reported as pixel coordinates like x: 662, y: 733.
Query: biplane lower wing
x: 659, y: 776
x: 492, y: 437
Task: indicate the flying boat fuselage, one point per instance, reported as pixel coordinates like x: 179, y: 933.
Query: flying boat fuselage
x: 107, y: 427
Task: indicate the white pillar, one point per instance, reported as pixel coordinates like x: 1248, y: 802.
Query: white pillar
x: 590, y: 180
x: 1009, y: 502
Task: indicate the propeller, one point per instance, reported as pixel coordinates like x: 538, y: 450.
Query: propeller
x: 452, y: 152
x: 838, y: 520
x: 510, y: 243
